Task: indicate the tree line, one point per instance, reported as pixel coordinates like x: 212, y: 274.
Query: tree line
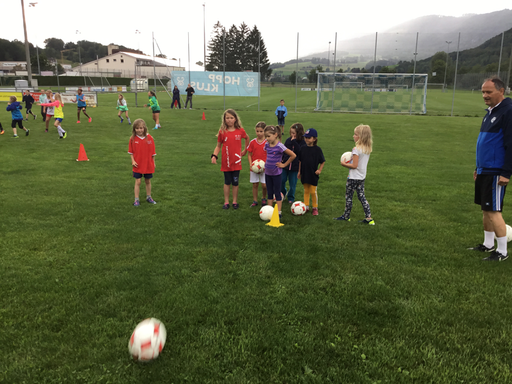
x: 241, y: 47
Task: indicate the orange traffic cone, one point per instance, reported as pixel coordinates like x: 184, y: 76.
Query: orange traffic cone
x: 204, y: 118
x: 82, y: 156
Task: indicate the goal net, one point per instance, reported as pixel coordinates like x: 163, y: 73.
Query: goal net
x: 372, y: 93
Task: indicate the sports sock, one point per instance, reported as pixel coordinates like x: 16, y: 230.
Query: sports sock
x: 129, y: 120
x: 488, y: 239
x: 502, y: 245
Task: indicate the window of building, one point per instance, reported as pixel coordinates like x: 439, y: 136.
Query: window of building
x: 115, y: 59
x: 122, y: 60
x: 107, y: 60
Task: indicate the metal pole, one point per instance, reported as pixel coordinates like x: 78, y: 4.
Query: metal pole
x: 414, y: 72
x: 334, y: 71
x: 507, y: 84
x: 456, y: 66
x: 296, y: 71
x: 329, y: 56
x: 57, y: 70
x: 501, y: 51
x: 38, y: 65
x: 259, y: 70
x: 101, y: 77
x: 446, y: 69
x: 27, y: 51
x: 154, y: 66
x: 188, y: 40
x: 224, y: 66
x: 135, y: 83
x: 204, y: 37
x: 373, y: 77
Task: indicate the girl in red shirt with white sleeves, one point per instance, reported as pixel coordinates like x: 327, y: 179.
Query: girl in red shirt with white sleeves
x: 229, y: 139
x: 142, y: 151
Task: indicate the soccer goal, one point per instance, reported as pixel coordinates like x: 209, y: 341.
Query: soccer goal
x: 372, y: 93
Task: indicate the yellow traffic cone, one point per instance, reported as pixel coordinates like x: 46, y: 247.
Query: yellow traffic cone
x: 274, y: 221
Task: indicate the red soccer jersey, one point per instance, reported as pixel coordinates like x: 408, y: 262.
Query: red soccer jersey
x: 143, y: 151
x: 258, y: 150
x: 231, y: 149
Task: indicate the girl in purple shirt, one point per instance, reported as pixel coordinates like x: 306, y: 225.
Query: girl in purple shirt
x: 274, y: 165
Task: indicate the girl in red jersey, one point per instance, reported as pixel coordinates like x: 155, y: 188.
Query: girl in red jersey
x: 256, y: 151
x: 142, y: 151
x: 229, y: 139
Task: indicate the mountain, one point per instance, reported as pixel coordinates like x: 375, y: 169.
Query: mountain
x: 434, y: 32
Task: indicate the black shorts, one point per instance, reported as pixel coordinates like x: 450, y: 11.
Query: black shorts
x: 82, y: 108
x: 139, y: 175
x: 488, y: 194
x: 20, y: 124
x: 280, y: 121
x: 156, y: 111
x: 231, y: 177
x: 28, y: 109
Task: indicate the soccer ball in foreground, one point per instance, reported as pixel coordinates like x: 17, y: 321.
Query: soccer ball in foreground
x: 266, y: 212
x: 346, y: 157
x: 258, y: 166
x: 148, y: 340
x: 509, y: 233
x: 298, y: 208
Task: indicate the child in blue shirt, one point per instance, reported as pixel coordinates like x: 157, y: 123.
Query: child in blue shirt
x: 17, y: 118
x: 281, y: 113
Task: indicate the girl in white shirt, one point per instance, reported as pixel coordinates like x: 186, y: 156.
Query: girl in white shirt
x: 357, y: 174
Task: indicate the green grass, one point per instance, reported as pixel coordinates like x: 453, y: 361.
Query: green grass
x: 315, y: 301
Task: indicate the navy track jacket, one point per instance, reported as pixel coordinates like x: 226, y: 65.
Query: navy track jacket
x: 494, y: 144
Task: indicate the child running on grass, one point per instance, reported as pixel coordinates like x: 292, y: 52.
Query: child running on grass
x: 274, y: 164
x: 357, y: 174
x: 155, y: 108
x: 122, y: 106
x: 295, y: 142
x: 28, y: 99
x: 142, y: 151
x: 17, y: 118
x: 256, y: 151
x: 310, y: 158
x: 58, y: 113
x: 81, y: 105
x: 49, y: 110
x: 229, y: 139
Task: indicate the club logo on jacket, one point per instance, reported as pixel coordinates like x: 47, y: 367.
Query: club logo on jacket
x: 493, y: 120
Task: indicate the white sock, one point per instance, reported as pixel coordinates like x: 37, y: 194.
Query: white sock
x: 502, y: 245
x: 489, y: 239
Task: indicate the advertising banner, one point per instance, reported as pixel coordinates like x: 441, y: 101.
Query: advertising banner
x: 212, y: 83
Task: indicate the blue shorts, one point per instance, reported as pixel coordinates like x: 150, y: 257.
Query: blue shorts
x: 139, y: 175
x: 59, y: 119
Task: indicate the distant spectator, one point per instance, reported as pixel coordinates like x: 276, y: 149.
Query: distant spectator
x: 190, y: 92
x: 176, y: 97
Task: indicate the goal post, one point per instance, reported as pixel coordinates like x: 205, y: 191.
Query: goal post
x: 372, y: 93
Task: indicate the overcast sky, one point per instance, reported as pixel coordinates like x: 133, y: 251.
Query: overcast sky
x: 108, y: 21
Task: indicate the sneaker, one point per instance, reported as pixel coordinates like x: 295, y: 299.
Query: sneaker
x: 122, y: 120
x: 90, y: 119
x: 190, y: 108
x: 35, y: 117
x: 150, y: 200
x: 61, y: 137
x: 26, y: 119
x: 481, y: 248
x: 78, y: 122
x: 342, y: 218
x: 15, y: 137
x: 129, y: 122
x: 136, y: 203
x: 263, y: 202
x: 368, y: 221
x: 155, y: 128
x: 496, y: 256
x: 315, y: 212
x: 290, y: 201
x: 235, y: 206
x: 225, y: 206
x: 28, y: 131
x: 65, y: 135
x: 1, y: 133
x: 46, y: 130
x: 254, y: 204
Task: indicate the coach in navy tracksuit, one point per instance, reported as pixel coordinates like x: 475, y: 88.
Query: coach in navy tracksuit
x: 494, y: 167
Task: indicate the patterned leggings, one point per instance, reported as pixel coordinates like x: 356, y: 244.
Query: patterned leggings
x: 358, y: 186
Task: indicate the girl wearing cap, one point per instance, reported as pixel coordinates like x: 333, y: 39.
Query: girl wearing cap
x: 311, y: 164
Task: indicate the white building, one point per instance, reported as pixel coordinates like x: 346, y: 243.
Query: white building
x: 124, y: 64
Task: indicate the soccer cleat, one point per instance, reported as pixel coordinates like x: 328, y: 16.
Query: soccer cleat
x: 15, y: 137
x: 28, y: 131
x: 65, y: 135
x: 254, y: 204
x: 496, y: 256
x: 263, y: 202
x: 368, y: 221
x: 78, y: 122
x: 46, y: 130
x: 122, y: 120
x: 150, y: 200
x: 235, y: 206
x: 155, y: 127
x: 225, y: 206
x: 342, y: 218
x: 35, y: 117
x: 481, y: 248
x: 315, y: 212
x: 90, y: 119
x: 2, y: 132
x: 290, y: 201
x: 61, y: 137
x: 136, y: 203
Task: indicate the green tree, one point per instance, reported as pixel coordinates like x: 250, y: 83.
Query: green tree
x: 313, y: 76
x: 293, y: 77
x: 214, y: 61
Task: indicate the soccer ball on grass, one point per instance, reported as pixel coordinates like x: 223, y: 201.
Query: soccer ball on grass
x: 266, y: 212
x: 147, y: 340
x: 298, y: 208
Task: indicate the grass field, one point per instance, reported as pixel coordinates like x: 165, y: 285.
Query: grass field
x: 315, y: 301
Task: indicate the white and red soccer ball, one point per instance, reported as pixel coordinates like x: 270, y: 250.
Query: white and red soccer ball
x: 298, y: 208
x: 147, y: 340
x: 346, y: 157
x: 266, y: 212
x: 258, y: 166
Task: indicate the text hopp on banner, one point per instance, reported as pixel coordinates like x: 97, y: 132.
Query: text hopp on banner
x: 212, y: 83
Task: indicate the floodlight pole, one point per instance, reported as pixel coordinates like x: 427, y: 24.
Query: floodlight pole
x: 374, y: 66
x: 446, y: 69
x: 154, y: 66
x: 38, y: 65
x: 27, y: 50
x: 501, y: 51
x: 259, y: 69
x: 79, y: 54
x: 334, y: 71
x: 296, y: 71
x: 204, y: 37
x: 329, y: 56
x: 456, y: 68
x: 414, y: 72
x: 188, y: 41
x: 224, y: 66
